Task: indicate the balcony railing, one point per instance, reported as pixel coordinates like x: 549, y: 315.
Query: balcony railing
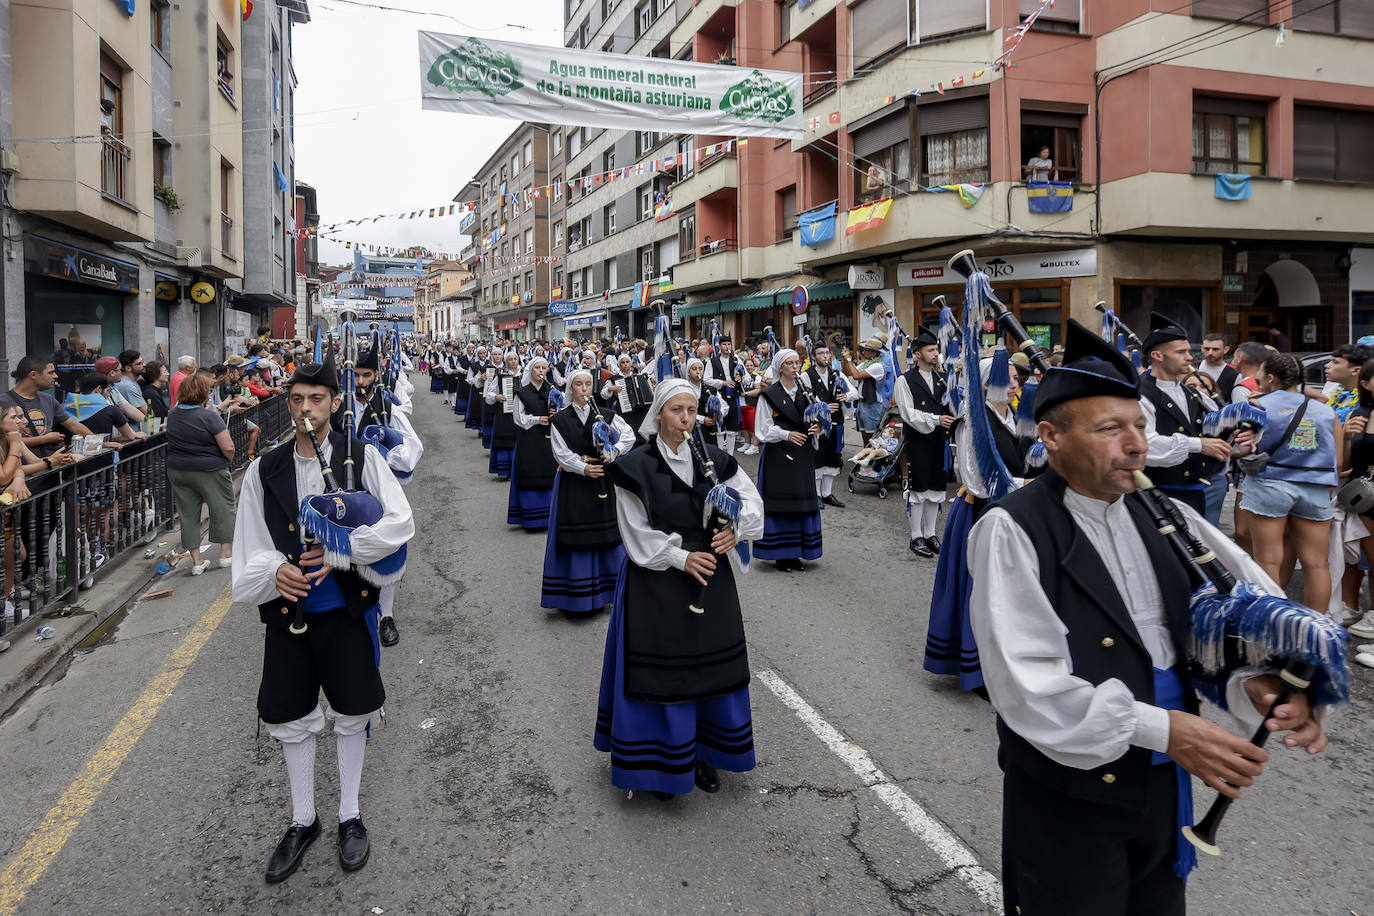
x: 715, y: 246
x: 114, y: 167
x: 226, y: 234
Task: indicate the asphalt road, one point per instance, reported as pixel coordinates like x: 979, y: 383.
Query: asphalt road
x: 135, y: 782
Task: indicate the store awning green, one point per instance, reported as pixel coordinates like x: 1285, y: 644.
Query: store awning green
x: 760, y: 299
x: 818, y: 292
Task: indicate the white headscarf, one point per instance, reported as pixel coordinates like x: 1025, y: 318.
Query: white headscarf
x: 662, y: 394
x: 781, y: 357
x: 525, y: 378
x: 698, y: 362
x: 580, y: 370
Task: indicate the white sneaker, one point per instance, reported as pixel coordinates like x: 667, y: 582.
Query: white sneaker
x: 226, y: 562
x: 197, y: 570
x: 1366, y: 659
x: 1364, y: 627
x: 1367, y: 647
x: 1348, y: 615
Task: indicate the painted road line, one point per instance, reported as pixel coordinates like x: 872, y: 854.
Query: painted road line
x: 58, y: 824
x: 948, y: 847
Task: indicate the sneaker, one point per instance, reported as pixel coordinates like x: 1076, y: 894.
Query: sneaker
x: 1366, y: 659
x: 198, y: 570
x: 226, y: 562
x: 1349, y: 615
x: 1364, y: 627
x: 1367, y: 647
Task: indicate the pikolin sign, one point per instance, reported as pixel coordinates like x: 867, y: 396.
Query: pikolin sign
x: 473, y: 66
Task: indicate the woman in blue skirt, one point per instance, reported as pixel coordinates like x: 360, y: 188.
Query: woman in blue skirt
x: 460, y: 361
x: 950, y: 647
x: 477, y: 367
x: 532, y: 470
x: 500, y: 394
x: 674, y: 701
x: 787, y: 470
x: 583, y: 555
x: 489, y: 408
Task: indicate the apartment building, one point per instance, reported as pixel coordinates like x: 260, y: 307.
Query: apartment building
x: 513, y: 232
x: 267, y: 93
x: 1186, y: 92
x: 440, y: 299
x: 307, y: 258
x: 121, y: 148
x: 382, y: 289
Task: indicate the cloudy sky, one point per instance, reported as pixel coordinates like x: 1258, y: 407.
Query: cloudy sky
x: 362, y: 140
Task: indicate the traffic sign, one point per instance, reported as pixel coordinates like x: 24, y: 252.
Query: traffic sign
x: 800, y: 298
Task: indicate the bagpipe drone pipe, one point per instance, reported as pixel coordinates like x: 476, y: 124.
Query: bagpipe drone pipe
x: 1231, y: 624
x: 721, y: 507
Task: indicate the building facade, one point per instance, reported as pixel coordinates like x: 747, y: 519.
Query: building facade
x: 307, y: 255
x: 382, y: 289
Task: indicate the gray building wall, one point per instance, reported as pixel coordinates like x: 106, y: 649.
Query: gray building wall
x: 11, y: 253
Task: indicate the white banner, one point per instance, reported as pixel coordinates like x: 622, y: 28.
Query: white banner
x: 1077, y: 262
x: 504, y: 79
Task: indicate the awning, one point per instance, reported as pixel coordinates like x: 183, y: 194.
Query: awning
x: 762, y: 299
x: 818, y: 292
x: 579, y: 321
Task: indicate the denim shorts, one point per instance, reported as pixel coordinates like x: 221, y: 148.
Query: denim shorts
x: 1279, y: 498
x: 868, y: 416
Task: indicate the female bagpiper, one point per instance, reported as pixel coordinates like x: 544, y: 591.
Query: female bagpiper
x: 787, y: 471
x: 476, y: 381
x: 531, y: 479
x: 583, y: 554
x: 503, y: 428
x: 674, y: 702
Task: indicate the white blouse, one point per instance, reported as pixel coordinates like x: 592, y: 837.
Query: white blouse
x: 569, y: 460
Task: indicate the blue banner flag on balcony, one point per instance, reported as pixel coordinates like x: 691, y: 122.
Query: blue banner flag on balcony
x: 1233, y: 187
x: 1049, y: 196
x: 817, y: 226
x: 282, y: 186
x: 127, y: 4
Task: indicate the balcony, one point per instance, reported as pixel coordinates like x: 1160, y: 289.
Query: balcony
x: 696, y: 20
x: 114, y: 168
x: 711, y: 176
x: 1164, y: 203
x: 716, y: 263
x: 226, y: 235
x: 915, y: 218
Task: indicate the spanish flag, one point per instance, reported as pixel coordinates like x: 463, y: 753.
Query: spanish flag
x: 246, y: 7
x: 868, y: 216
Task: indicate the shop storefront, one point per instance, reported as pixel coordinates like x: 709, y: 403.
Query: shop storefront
x: 591, y: 326
x: 1361, y: 292
x: 514, y: 329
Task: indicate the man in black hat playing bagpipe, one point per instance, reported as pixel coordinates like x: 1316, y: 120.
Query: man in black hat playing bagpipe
x: 1178, y: 454
x: 1081, y: 609
x: 311, y: 556
x: 722, y: 372
x: 378, y: 420
x: 920, y: 395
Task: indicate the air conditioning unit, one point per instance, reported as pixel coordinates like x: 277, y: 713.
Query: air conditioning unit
x: 191, y: 256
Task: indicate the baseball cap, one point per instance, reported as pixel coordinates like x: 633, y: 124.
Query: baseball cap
x: 107, y: 364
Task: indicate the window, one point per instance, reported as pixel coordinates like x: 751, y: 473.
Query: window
x: 517, y: 246
x: 1354, y: 18
x: 577, y: 285
x: 886, y: 143
x: 666, y: 253
x: 612, y: 275
x: 584, y: 34
x: 1056, y: 130
x: 162, y: 158
x: 608, y: 160
x: 685, y: 158
x: 226, y: 204
x: 787, y: 212
x: 515, y: 164
x: 644, y: 17
x: 529, y: 280
x: 1333, y: 143
x: 609, y: 46
x: 646, y: 202
x: 646, y: 141
x: 160, y: 22
x: 224, y: 65
x: 662, y: 6
x: 1064, y: 16
x: 648, y: 268
x: 528, y: 153
x: 944, y: 18
x: 1228, y: 136
x: 515, y: 285
x: 556, y: 139
x: 515, y: 204
x: 558, y: 187
x: 529, y: 240
x: 687, y: 234
x: 608, y: 219
x: 558, y: 234
x: 574, y: 141
x: 876, y: 27
x: 558, y: 276
x: 954, y: 141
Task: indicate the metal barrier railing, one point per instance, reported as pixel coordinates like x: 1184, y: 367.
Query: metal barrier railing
x: 79, y: 518
x: 258, y: 428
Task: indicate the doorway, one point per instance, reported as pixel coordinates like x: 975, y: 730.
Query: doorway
x: 1254, y: 324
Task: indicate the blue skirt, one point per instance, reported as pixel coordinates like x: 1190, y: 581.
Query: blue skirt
x: 580, y: 581
x: 436, y: 385
x: 527, y: 508
x: 654, y: 747
x: 460, y: 406
x: 500, y: 461
x: 473, y: 418
x: 789, y: 537
x: 950, y: 648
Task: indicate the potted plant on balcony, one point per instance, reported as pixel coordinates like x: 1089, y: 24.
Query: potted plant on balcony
x: 168, y: 196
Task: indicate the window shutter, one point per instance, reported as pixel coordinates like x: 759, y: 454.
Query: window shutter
x: 1314, y: 142
x: 876, y: 26
x: 1232, y: 9
x: 945, y: 17
x: 882, y: 134
x: 1062, y: 11
x: 1247, y: 108
x: 1354, y: 141
x: 947, y: 117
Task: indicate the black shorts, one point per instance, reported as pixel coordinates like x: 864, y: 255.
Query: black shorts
x: 335, y: 654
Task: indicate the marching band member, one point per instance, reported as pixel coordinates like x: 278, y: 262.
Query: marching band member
x: 919, y: 394
x: 721, y: 372
x: 503, y: 420
x: 472, y: 418
x: 787, y: 471
x: 583, y: 553
x: 829, y: 386
x: 674, y: 699
x: 640, y: 394
x: 533, y: 467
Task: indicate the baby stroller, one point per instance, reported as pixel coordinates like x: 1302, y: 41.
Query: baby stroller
x: 882, y: 473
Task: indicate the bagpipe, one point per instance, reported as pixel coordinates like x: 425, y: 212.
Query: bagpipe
x: 330, y: 518
x: 1231, y: 623
x: 817, y: 412
x: 720, y: 509
x: 379, y: 433
x: 607, y: 442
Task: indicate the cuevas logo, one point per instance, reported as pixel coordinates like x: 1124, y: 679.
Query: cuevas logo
x: 758, y: 98
x: 474, y: 66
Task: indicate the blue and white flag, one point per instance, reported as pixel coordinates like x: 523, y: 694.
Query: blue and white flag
x: 817, y: 226
x: 1233, y: 187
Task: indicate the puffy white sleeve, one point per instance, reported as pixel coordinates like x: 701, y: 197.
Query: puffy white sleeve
x: 751, y: 505
x: 607, y: 391
x: 405, y: 457
x: 709, y: 379
x: 522, y: 418
x: 646, y: 546
x: 1024, y: 650
x: 491, y: 390
x: 919, y: 420
x: 1165, y: 451
x: 627, y: 435
x: 254, y: 572
x: 566, y: 458
x: 764, y: 427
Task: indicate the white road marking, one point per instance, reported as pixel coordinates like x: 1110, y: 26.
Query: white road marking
x: 950, y: 849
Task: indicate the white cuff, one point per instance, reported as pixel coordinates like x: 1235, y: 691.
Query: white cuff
x: 1151, y: 727
x: 677, y: 557
x: 1194, y: 445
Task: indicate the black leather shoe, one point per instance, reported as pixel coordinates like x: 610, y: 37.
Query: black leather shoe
x: 354, y: 847
x: 933, y: 543
x: 921, y: 548
x: 286, y: 858
x: 387, y: 631
x: 833, y: 500
x: 664, y: 796
x: 708, y: 780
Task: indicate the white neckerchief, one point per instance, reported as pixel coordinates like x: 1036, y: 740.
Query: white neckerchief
x: 582, y: 411
x: 680, y: 461
x: 1113, y: 534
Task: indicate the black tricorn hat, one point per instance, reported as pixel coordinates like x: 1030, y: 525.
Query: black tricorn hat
x: 321, y: 373
x: 368, y: 360
x: 925, y: 338
x: 1092, y: 368
x: 1162, y: 331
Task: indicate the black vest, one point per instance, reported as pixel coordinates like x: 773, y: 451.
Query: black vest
x: 787, y: 473
x: 673, y: 655
x: 725, y: 371
x: 534, y: 464
x: 503, y: 428
x: 1226, y: 382
x: 829, y: 453
x: 1169, y: 420
x: 584, y: 518
x: 925, y: 452
x: 281, y: 510
x: 1103, y: 640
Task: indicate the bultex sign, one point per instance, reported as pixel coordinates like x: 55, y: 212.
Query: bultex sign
x: 1077, y: 262
x: 78, y: 265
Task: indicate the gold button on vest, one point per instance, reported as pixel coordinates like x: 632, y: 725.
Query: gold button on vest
x: 1108, y: 778
x: 1108, y: 642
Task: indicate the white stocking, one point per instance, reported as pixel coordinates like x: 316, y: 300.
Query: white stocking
x: 930, y: 515
x: 351, y: 750
x: 386, y: 597
x: 300, y: 769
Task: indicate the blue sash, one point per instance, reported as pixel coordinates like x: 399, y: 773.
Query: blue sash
x: 324, y: 596
x: 1169, y: 695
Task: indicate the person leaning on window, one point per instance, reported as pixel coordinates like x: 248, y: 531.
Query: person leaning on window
x: 874, y: 184
x: 1040, y: 167
x: 199, y: 450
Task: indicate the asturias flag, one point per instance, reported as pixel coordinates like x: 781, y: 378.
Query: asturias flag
x: 1233, y: 187
x: 817, y: 226
x: 1049, y: 196
x: 868, y: 216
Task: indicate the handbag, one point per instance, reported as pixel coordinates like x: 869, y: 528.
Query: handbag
x: 1254, y: 464
x: 1357, y: 495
